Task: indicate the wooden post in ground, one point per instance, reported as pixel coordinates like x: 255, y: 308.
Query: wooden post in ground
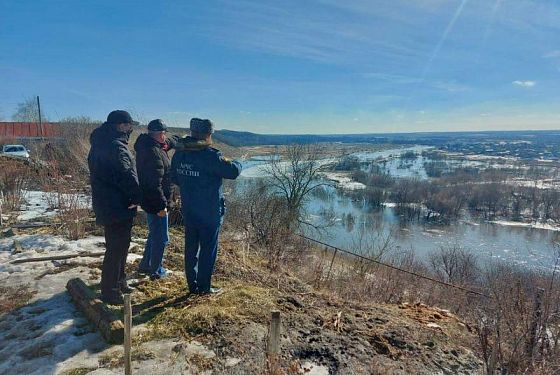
x: 1, y: 203
x: 273, y: 344
x: 127, y: 335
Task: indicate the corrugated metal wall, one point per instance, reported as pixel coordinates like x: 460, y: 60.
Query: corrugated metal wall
x: 28, y: 130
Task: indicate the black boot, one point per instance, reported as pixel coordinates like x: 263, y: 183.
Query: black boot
x: 113, y: 298
x: 125, y: 288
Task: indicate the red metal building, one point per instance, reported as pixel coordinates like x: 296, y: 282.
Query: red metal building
x: 23, y: 130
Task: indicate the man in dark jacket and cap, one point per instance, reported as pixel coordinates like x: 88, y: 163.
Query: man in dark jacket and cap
x: 115, y: 195
x: 198, y: 170
x: 153, y: 166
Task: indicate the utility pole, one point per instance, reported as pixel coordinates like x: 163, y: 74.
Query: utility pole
x: 40, y: 122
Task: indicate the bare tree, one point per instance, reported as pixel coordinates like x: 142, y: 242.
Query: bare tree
x: 455, y: 265
x: 28, y: 111
x: 293, y: 176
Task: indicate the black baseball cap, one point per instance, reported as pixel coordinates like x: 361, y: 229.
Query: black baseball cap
x: 121, y: 117
x: 157, y: 125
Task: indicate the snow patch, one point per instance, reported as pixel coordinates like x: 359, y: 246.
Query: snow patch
x: 39, y: 204
x: 343, y: 181
x: 533, y: 225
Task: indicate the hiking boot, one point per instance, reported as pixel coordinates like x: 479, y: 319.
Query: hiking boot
x: 142, y: 271
x: 125, y: 288
x: 113, y: 299
x: 161, y: 274
x: 212, y: 291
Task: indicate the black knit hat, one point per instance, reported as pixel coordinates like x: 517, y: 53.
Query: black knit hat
x: 120, y: 117
x: 157, y: 125
x: 202, y: 126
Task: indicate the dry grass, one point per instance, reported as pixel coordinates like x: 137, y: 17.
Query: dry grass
x: 249, y: 293
x: 170, y: 313
x: 16, y: 175
x: 78, y: 371
x: 115, y: 358
x: 12, y: 298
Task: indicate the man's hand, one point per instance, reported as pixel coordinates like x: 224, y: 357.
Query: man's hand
x: 132, y: 206
x: 162, y: 213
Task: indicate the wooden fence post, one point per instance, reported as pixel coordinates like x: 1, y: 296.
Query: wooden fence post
x: 127, y: 335
x: 273, y: 344
x: 273, y: 347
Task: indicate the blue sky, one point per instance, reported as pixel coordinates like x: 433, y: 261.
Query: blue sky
x: 323, y: 66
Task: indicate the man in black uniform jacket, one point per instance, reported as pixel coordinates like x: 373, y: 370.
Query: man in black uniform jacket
x: 115, y: 195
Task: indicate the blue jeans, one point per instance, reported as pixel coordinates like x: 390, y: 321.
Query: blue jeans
x: 158, y: 238
x: 201, y: 250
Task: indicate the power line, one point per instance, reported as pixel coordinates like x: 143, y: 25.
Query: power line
x: 395, y: 268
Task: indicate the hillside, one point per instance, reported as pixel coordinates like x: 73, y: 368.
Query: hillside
x: 43, y: 333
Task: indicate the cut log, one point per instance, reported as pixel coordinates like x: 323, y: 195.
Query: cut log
x: 59, y: 257
x: 111, y: 328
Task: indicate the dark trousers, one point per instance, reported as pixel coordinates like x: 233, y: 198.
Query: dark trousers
x: 117, y: 242
x: 201, y: 250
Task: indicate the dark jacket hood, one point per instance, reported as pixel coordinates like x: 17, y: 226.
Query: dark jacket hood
x: 189, y: 143
x: 106, y: 133
x: 145, y: 141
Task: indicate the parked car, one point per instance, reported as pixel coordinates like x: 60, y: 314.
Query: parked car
x: 15, y: 150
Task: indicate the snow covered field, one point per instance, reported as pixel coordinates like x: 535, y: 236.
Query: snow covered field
x: 47, y: 335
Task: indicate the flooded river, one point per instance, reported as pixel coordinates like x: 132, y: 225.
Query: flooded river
x: 354, y: 220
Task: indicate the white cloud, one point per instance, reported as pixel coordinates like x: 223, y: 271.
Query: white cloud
x: 526, y: 84
x: 552, y: 54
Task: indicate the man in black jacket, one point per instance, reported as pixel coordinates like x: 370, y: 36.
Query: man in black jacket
x: 115, y: 195
x: 153, y: 172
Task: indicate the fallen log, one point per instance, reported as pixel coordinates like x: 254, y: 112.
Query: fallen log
x: 111, y: 328
x: 32, y: 225
x: 58, y: 257
x: 132, y: 249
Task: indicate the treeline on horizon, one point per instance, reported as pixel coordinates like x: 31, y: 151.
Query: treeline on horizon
x: 240, y: 138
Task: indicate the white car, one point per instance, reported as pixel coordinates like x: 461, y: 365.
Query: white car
x: 15, y: 150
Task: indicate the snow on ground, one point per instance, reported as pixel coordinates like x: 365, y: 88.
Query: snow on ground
x: 343, y: 180
x: 39, y: 204
x: 49, y: 333
x: 36, y: 206
x: 490, y: 157
x: 533, y: 225
x: 547, y: 183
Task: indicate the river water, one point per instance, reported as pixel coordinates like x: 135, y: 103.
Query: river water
x: 356, y: 226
